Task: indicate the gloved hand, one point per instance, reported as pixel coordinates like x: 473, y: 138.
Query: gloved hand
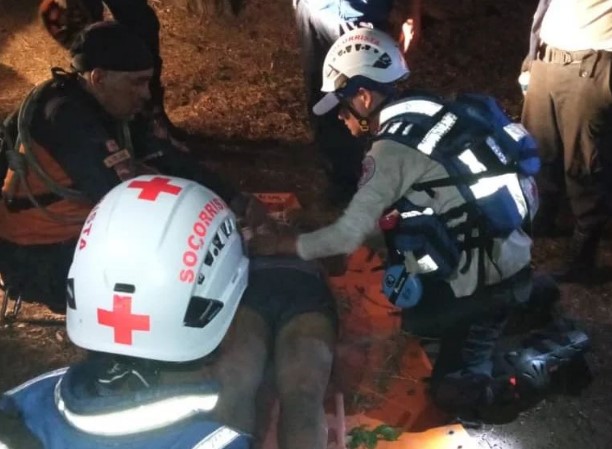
x: 273, y: 243
x: 15, y: 435
x: 64, y: 19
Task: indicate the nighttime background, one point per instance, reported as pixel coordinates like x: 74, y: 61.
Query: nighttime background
x: 234, y: 83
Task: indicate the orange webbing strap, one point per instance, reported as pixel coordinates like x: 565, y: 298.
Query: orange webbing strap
x: 21, y: 161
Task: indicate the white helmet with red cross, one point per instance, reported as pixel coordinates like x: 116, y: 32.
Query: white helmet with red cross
x: 158, y: 272
x: 363, y: 57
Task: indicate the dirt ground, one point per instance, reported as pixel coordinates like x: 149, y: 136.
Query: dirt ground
x: 235, y: 84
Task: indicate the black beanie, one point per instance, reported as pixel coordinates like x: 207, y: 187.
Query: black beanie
x: 111, y: 46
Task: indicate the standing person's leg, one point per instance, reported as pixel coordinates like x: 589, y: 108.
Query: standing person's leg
x: 585, y: 104
x: 540, y: 118
x: 303, y: 359
x: 240, y: 369
x: 333, y: 140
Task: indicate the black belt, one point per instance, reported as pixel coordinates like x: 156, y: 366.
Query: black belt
x: 554, y: 55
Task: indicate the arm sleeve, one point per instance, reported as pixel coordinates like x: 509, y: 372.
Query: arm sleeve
x: 389, y: 170
x: 77, y: 140
x: 534, y: 38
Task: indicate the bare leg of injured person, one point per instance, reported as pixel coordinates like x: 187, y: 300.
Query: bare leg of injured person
x: 303, y: 360
x: 284, y: 318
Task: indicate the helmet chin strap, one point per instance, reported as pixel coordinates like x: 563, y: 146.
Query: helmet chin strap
x: 364, y: 121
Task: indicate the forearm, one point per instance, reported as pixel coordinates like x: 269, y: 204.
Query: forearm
x: 534, y: 38
x: 348, y: 232
x: 329, y: 241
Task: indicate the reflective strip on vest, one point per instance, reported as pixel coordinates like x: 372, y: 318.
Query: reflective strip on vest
x: 141, y: 418
x: 220, y: 438
x: 31, y: 226
x: 439, y: 130
x: 487, y: 186
x: 426, y: 107
x: 56, y: 373
x: 427, y: 264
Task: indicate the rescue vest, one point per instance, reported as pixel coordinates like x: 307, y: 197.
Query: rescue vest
x: 33, y: 213
x: 489, y: 159
x: 40, y: 204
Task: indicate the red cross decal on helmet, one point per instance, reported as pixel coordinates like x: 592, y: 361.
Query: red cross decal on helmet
x: 152, y: 188
x: 122, y: 320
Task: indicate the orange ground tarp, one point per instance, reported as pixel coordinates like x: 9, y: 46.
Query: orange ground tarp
x: 379, y: 372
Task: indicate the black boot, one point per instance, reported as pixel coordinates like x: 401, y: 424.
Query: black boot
x: 580, y: 265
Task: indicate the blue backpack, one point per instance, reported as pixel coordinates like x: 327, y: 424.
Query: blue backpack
x: 490, y: 159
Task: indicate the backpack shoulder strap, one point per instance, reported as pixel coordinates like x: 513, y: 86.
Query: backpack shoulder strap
x: 24, y: 122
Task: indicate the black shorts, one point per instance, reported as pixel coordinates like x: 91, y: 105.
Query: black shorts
x: 282, y: 288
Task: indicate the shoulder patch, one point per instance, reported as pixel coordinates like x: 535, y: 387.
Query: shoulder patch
x: 117, y: 158
x: 368, y: 167
x: 112, y: 146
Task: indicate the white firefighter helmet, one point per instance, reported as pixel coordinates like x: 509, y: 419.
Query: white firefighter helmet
x: 158, y: 272
x: 365, y: 56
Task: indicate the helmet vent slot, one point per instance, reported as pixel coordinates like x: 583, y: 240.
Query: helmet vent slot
x: 124, y: 288
x: 201, y: 311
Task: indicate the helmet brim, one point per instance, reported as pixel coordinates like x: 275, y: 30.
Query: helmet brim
x: 326, y: 104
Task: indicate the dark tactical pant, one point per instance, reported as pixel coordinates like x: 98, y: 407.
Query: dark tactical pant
x: 469, y: 328
x: 568, y: 109
x: 337, y: 146
x: 37, y: 272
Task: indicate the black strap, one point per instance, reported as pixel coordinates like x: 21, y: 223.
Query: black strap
x: 22, y: 204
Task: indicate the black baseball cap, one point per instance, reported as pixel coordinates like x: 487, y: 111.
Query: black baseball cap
x: 111, y: 46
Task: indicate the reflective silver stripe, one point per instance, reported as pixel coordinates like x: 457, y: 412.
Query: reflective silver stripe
x: 383, y: 128
x: 491, y: 143
x: 3, y: 446
x: 426, y: 107
x: 515, y: 130
x: 488, y: 186
x: 415, y: 213
x: 141, y: 418
x: 427, y: 264
x: 394, y: 127
x: 469, y: 159
x: 219, y: 439
x: 491, y: 184
x: 407, y: 129
x: 56, y: 373
x: 518, y: 194
x: 433, y: 136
